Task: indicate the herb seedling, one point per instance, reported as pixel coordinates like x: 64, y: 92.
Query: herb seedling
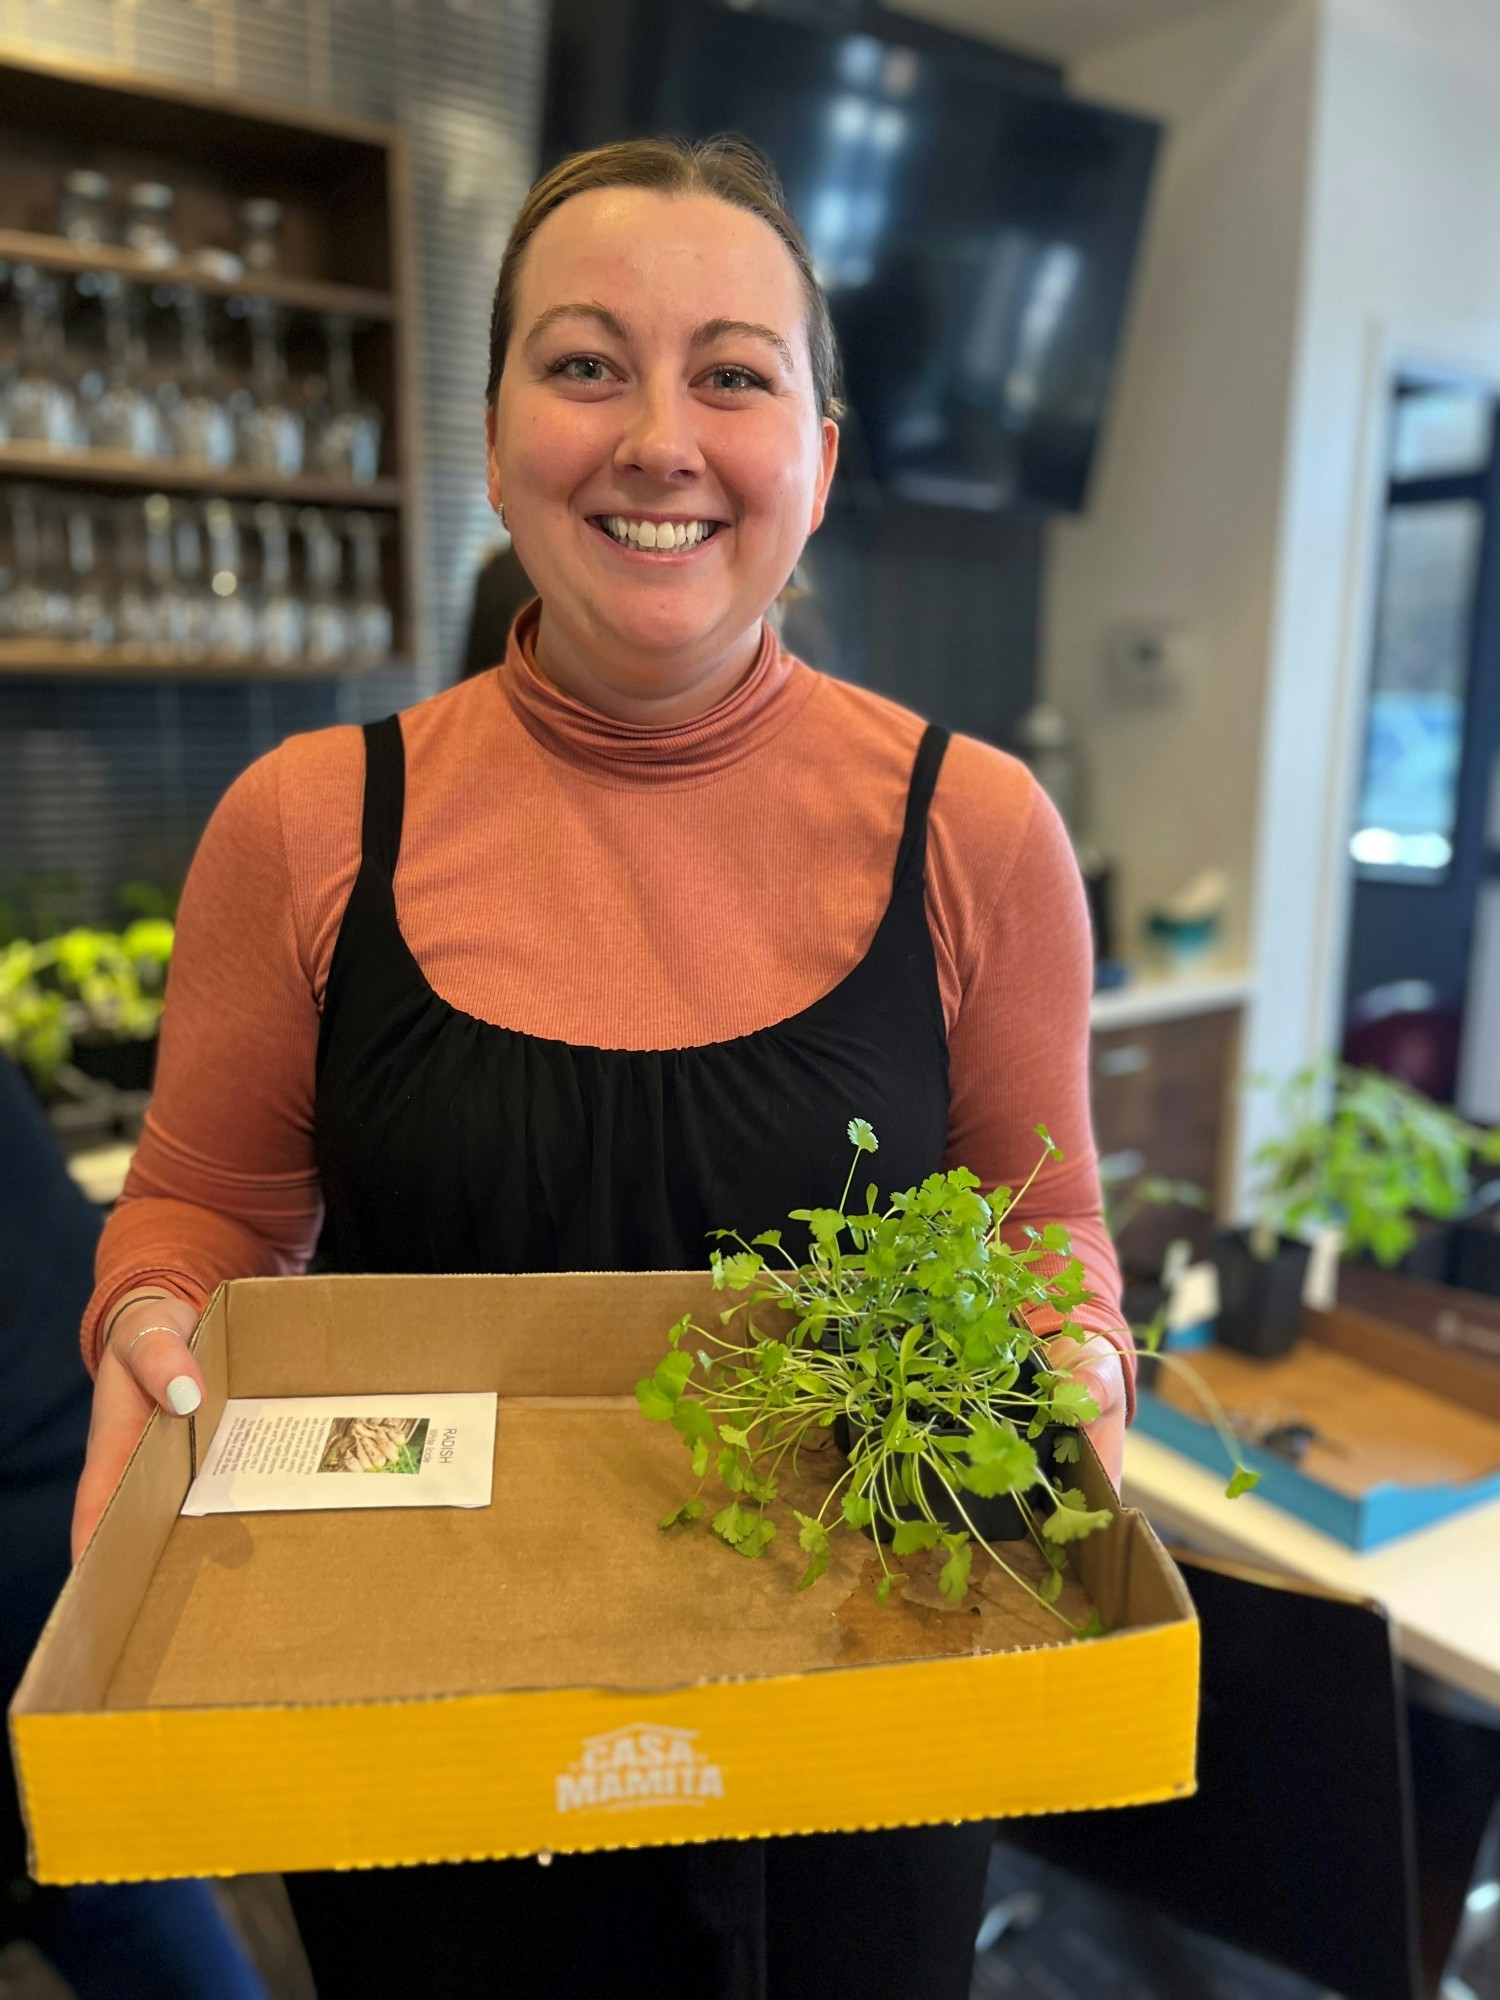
x: 1362, y: 1154
x: 909, y: 1324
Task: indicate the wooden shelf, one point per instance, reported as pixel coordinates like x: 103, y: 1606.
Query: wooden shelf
x: 175, y: 475
x: 56, y: 253
x: 48, y: 658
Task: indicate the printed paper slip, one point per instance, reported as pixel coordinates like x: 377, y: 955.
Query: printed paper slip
x: 304, y: 1452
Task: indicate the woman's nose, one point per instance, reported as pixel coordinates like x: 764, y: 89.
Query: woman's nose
x: 660, y: 438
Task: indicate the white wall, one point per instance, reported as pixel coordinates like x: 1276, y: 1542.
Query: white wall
x: 1183, y: 519
x: 1403, y: 264
x: 1328, y: 209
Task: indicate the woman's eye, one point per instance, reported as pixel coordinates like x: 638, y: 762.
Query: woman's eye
x: 733, y: 378
x: 579, y: 368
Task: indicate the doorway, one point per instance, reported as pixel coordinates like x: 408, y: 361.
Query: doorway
x: 1432, y: 734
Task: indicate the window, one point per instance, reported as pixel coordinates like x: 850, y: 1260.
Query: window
x: 1441, y: 444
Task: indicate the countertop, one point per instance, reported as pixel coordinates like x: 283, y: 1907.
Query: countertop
x: 1157, y: 996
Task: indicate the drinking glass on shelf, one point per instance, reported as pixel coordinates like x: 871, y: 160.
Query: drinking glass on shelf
x: 148, y: 221
x: 281, y: 615
x: 27, y: 606
x: 347, y: 439
x: 260, y: 234
x: 123, y: 416
x: 323, y: 567
x: 232, y: 629
x: 194, y: 606
x: 369, y: 616
x: 83, y: 207
x: 269, y: 432
x: 170, y: 618
x: 90, y: 617
x: 135, y: 595
x: 38, y: 402
x: 195, y: 414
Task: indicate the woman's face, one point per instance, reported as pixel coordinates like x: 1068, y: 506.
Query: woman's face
x: 655, y: 438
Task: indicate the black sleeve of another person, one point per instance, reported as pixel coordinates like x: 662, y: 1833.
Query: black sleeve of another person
x: 500, y: 589
x: 48, y: 1231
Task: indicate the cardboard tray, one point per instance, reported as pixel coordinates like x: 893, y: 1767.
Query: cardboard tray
x: 1408, y: 1433
x: 238, y: 1694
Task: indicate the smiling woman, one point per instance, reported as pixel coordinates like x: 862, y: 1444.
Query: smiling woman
x: 600, y: 951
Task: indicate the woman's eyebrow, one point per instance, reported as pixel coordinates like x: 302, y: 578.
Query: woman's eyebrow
x: 704, y: 336
x: 578, y: 309
x: 745, y: 329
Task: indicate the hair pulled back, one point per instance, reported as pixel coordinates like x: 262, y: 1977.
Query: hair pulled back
x: 726, y: 167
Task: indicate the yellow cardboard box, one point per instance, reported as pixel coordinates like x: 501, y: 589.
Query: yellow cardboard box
x: 236, y: 1694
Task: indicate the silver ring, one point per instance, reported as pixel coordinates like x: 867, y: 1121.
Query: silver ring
x: 141, y: 1335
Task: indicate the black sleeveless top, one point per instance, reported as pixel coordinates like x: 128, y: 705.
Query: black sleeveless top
x: 447, y: 1144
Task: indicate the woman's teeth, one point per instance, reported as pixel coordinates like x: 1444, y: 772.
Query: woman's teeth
x: 656, y: 534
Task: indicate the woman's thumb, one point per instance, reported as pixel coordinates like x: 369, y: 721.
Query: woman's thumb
x: 156, y: 1354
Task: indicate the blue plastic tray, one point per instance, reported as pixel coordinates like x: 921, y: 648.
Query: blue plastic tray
x: 1381, y: 1515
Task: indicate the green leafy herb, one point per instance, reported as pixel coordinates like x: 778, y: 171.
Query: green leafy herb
x: 1364, y: 1155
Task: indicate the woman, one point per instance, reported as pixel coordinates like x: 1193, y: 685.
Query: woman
x: 598, y: 951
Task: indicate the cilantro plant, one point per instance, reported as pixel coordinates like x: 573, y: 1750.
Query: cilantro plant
x: 907, y: 1327
x: 1363, y: 1154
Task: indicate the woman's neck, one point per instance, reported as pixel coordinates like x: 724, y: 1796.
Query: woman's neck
x: 754, y: 711
x: 660, y: 694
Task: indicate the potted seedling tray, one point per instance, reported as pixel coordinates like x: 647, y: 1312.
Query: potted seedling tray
x: 1361, y: 1431
x: 248, y: 1693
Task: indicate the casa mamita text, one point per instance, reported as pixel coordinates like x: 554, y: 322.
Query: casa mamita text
x: 636, y: 1766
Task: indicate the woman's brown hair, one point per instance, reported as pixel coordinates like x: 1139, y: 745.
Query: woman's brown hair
x: 731, y: 170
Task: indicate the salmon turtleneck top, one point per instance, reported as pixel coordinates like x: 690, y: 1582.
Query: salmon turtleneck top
x: 615, y: 885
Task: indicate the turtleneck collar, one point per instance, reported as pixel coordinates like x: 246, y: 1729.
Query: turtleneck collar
x: 752, y: 712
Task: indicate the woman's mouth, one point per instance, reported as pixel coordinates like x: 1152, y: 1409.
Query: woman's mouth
x: 654, y: 538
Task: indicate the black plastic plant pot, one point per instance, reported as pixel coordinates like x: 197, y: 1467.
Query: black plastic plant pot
x: 128, y: 1065
x: 1431, y: 1256
x: 1464, y: 1254
x: 1141, y: 1300
x: 997, y: 1519
x: 1260, y: 1299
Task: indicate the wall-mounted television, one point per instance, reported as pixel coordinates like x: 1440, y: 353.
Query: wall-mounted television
x: 975, y: 227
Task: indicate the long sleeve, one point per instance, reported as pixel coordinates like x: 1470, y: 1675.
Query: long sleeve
x: 224, y: 1182
x: 1012, y: 909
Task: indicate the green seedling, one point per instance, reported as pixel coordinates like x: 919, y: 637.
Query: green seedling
x: 911, y: 1322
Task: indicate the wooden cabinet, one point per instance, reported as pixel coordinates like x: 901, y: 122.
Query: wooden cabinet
x: 308, y: 349
x: 1162, y: 1099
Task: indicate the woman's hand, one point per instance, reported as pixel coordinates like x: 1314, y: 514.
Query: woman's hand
x: 145, y: 1365
x: 1097, y: 1365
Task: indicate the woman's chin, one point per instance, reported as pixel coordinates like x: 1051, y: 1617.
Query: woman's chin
x: 669, y: 630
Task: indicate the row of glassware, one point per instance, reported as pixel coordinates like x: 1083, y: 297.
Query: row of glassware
x: 100, y: 363
x: 142, y: 217
x: 195, y: 579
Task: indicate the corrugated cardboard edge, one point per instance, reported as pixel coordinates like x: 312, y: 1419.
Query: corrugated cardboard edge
x: 141, y: 1795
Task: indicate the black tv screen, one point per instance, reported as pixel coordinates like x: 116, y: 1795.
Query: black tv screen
x: 975, y: 230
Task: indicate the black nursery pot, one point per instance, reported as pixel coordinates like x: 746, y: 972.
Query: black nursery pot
x: 997, y: 1519
x: 1476, y: 1258
x: 1260, y: 1301
x: 129, y: 1065
x: 1465, y: 1254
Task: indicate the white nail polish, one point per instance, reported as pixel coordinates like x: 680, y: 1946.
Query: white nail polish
x: 184, y: 1395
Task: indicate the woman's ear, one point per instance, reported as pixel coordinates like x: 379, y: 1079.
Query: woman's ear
x: 825, y: 474
x: 491, y: 468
